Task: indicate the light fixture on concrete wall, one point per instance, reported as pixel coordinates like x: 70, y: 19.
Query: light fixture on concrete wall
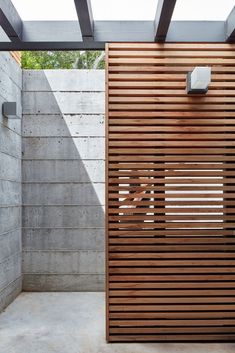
x: 198, y: 80
x: 9, y: 110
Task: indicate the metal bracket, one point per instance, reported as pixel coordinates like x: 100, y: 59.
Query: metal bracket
x: 9, y: 110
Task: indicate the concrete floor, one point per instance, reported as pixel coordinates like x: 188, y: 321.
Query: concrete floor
x: 73, y: 323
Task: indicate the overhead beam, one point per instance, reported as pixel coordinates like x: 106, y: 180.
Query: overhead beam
x: 10, y: 20
x: 163, y: 16
x: 32, y: 46
x: 230, y: 26
x: 61, y: 35
x: 85, y: 17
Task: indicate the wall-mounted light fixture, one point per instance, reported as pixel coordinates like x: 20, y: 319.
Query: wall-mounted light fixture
x: 198, y: 80
x: 9, y: 110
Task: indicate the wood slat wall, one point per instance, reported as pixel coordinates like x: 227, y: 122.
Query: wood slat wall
x: 170, y: 201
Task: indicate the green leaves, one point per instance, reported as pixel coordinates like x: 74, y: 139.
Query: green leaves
x: 62, y: 60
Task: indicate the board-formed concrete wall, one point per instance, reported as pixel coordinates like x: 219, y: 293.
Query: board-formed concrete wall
x: 63, y: 180
x: 10, y: 183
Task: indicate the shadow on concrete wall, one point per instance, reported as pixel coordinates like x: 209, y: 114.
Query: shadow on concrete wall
x: 63, y: 189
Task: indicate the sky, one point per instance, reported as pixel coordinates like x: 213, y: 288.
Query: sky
x: 123, y: 9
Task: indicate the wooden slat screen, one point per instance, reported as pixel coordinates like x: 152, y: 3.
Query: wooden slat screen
x: 170, y: 174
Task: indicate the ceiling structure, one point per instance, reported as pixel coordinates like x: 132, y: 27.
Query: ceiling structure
x: 85, y: 32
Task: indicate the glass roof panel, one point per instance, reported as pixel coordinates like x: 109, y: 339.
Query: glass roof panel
x: 185, y: 10
x: 46, y: 10
x: 202, y: 10
x: 124, y: 10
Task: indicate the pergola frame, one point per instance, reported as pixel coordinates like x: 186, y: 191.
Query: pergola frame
x: 92, y: 35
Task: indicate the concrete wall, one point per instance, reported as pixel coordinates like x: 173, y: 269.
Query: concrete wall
x: 10, y: 183
x: 63, y: 180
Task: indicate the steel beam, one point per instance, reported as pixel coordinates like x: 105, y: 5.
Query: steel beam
x: 85, y: 17
x: 10, y: 20
x: 230, y: 26
x: 85, y: 45
x: 67, y: 35
x: 163, y: 16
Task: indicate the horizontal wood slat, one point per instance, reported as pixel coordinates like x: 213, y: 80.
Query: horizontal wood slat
x: 170, y: 194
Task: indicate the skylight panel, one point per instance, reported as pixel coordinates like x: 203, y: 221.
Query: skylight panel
x: 124, y: 10
x: 202, y: 10
x: 46, y: 10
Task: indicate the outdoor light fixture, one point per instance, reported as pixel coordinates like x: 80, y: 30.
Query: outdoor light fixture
x: 198, y: 80
x: 9, y: 110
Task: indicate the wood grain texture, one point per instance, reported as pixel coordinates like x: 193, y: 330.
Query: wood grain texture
x: 170, y: 194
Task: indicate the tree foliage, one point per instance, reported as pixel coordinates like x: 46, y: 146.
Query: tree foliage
x: 62, y: 60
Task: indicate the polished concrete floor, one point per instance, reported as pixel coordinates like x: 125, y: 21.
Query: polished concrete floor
x: 73, y: 323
